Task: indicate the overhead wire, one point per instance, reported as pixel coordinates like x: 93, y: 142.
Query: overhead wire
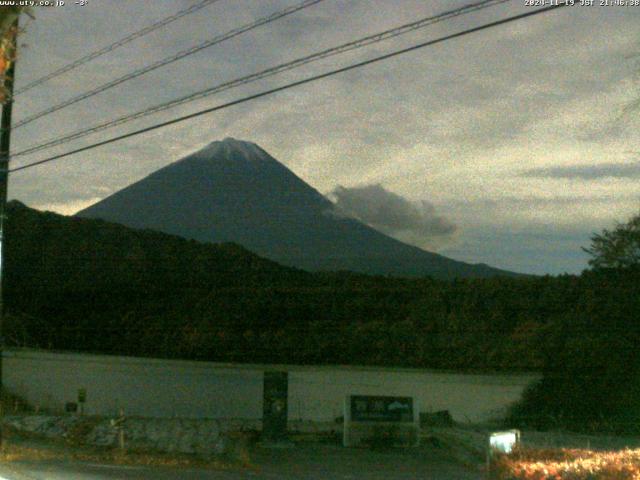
x: 343, y: 48
x: 119, y: 43
x: 295, y: 84
x: 167, y: 60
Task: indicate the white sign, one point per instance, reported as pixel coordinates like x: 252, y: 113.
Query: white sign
x: 504, y: 442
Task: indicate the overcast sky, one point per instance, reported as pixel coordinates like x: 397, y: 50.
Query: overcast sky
x: 509, y: 146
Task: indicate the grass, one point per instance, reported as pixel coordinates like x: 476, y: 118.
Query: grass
x: 562, y: 455
x: 14, y: 453
x: 21, y: 446
x: 460, y: 445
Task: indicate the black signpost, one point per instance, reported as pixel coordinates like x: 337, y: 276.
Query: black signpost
x: 274, y: 410
x: 82, y: 399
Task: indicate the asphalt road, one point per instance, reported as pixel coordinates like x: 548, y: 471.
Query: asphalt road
x: 313, y: 463
x: 80, y: 471
x: 88, y: 471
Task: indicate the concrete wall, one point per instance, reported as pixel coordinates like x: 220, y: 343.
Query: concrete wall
x: 176, y: 388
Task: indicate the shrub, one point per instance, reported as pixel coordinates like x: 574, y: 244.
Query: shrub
x: 566, y: 464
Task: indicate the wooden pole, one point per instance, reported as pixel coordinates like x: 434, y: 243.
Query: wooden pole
x: 5, y: 143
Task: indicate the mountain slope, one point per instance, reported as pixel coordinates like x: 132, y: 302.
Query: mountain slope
x: 233, y: 191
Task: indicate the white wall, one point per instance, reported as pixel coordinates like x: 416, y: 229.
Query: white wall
x: 167, y: 388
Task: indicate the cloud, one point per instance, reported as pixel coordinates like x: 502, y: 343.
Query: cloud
x: 587, y: 172
x: 393, y: 214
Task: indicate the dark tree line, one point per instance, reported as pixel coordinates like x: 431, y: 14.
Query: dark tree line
x: 592, y: 369
x: 87, y: 285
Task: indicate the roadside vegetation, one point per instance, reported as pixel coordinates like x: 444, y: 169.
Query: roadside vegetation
x: 567, y: 464
x: 74, y: 445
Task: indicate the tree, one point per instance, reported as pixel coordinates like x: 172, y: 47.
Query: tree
x: 8, y: 16
x: 616, y: 248
x: 591, y: 376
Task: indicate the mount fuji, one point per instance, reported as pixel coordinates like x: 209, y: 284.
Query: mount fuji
x: 234, y: 191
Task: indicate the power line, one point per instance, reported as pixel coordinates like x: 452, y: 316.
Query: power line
x: 294, y: 84
x: 346, y: 47
x: 109, y: 48
x: 166, y: 61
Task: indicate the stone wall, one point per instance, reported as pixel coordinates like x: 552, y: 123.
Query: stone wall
x: 173, y: 435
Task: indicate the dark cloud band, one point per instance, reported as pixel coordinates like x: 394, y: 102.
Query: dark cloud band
x: 587, y: 172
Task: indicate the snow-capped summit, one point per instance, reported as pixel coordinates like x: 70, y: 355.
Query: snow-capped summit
x: 232, y: 147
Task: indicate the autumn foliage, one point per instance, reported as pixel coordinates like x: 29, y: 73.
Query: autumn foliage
x: 566, y: 464
x: 8, y: 33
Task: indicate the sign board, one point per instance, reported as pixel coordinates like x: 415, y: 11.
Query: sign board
x: 381, y: 409
x: 368, y: 417
x: 503, y: 442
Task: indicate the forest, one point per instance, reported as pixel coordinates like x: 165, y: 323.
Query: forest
x: 87, y: 285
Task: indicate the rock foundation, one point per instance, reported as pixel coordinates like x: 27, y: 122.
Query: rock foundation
x: 172, y: 435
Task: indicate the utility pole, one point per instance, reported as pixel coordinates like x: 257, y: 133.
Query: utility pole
x: 5, y: 143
